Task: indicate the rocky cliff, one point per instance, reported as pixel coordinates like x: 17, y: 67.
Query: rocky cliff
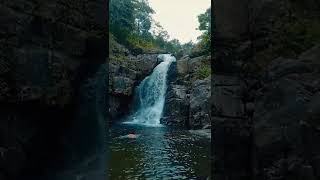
x: 265, y: 90
x: 53, y: 79
x: 188, y: 95
x: 126, y: 71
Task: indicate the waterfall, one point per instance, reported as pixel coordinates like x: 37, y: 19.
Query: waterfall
x: 150, y: 94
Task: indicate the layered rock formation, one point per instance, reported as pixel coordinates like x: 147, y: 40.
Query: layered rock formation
x: 53, y: 79
x: 265, y: 90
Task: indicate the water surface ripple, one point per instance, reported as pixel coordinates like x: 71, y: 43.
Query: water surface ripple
x: 158, y: 153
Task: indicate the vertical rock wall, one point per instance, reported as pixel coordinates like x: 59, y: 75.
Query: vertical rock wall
x: 188, y: 94
x: 52, y: 87
x: 265, y: 54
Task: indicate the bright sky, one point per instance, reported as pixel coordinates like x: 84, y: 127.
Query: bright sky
x: 179, y: 17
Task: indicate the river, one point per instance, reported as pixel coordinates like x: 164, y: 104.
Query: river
x: 158, y: 153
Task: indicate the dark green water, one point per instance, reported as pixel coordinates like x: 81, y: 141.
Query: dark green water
x: 158, y: 153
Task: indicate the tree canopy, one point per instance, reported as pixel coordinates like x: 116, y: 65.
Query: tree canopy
x: 205, y: 26
x: 132, y: 24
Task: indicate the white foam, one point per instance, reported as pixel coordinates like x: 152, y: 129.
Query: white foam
x: 151, y: 95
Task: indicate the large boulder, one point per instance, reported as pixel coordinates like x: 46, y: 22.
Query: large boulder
x: 196, y: 63
x: 176, y: 108
x: 199, y: 113
x: 182, y: 66
x: 227, y: 96
x: 286, y: 118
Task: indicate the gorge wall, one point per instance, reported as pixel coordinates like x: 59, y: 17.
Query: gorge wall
x: 265, y: 90
x: 53, y: 79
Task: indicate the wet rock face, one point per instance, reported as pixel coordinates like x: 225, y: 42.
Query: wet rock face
x: 50, y: 55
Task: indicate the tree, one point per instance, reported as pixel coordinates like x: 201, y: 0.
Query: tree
x: 131, y: 22
x: 121, y: 18
x: 187, y: 47
x: 205, y: 25
x: 142, y: 15
x: 205, y: 21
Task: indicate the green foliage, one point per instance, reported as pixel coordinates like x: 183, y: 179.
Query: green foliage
x: 205, y: 21
x: 294, y: 37
x: 204, y: 45
x: 205, y: 25
x: 290, y: 38
x: 131, y: 22
x: 121, y: 18
x: 187, y: 47
x: 118, y: 58
x: 203, y: 72
x: 142, y: 15
x: 137, y: 42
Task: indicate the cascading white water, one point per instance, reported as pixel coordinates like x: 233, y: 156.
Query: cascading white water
x: 150, y: 94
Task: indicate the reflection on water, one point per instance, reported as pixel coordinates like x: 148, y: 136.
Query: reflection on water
x: 158, y: 153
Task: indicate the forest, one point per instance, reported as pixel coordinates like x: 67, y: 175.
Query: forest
x: 132, y: 25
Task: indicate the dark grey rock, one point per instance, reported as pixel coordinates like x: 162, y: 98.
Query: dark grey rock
x: 195, y: 63
x: 227, y: 101
x: 306, y: 172
x: 316, y: 166
x: 122, y: 85
x: 231, y: 18
x: 282, y: 67
x: 200, y: 94
x: 182, y: 66
x: 312, y: 55
x: 54, y: 55
x: 176, y: 108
